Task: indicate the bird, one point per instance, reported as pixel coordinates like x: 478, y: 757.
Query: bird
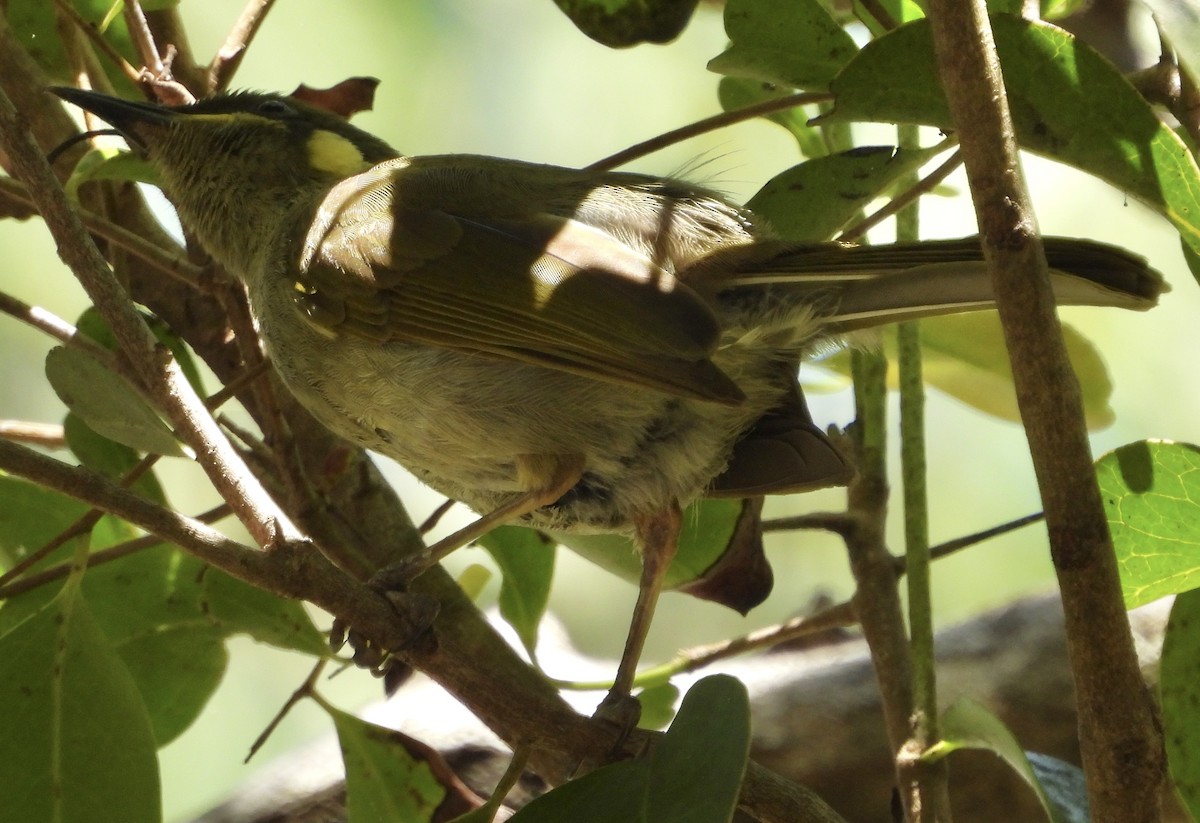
x: 572, y: 350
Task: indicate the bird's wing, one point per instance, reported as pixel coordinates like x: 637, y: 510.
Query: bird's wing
x: 537, y: 287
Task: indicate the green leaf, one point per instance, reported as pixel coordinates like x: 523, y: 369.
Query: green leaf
x: 658, y: 705
x: 900, y: 11
x: 787, y: 42
x: 620, y: 23
x: 384, y: 781
x: 1179, y: 686
x: 93, y: 324
x: 965, y: 356
x: 34, y: 24
x: 77, y: 745
x: 107, y: 403
x: 1068, y: 103
x: 29, y: 518
x: 108, y: 457
x: 812, y: 201
x: 739, y: 92
x: 1150, y: 491
x: 692, y: 776
x: 241, y: 608
x: 110, y: 164
x: 968, y: 725
x: 708, y: 526
x: 526, y: 561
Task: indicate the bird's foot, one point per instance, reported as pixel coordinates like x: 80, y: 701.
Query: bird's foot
x: 622, y: 710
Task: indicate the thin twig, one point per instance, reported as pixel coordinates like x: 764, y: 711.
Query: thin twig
x: 172, y: 263
x: 99, y: 558
x: 143, y: 39
x: 48, y: 323
x: 46, y: 435
x: 839, y: 616
x: 882, y: 16
x: 303, y: 691
x: 436, y: 515
x: 227, y: 59
x: 876, y: 594
x: 904, y: 199
x: 83, y: 524
x: 966, y: 541
x: 97, y: 40
x: 706, y: 125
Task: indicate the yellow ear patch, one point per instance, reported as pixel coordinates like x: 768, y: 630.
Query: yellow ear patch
x: 335, y: 154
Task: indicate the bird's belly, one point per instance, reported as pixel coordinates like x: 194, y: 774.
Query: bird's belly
x: 458, y: 422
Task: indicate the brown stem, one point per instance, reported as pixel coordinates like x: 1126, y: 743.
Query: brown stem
x: 1121, y: 747
x: 706, y: 125
x: 227, y: 59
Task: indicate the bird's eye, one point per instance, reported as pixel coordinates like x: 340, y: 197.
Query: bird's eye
x: 275, y: 108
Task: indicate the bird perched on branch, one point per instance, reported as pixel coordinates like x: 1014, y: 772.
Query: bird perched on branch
x: 569, y: 349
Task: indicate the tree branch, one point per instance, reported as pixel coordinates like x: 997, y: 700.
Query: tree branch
x: 1121, y: 747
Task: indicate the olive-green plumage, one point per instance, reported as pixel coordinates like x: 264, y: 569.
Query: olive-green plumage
x: 456, y: 312
x: 588, y: 350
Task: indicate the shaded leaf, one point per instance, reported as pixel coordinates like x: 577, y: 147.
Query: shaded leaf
x: 786, y: 42
x: 108, y: 457
x: 1150, y: 490
x: 964, y: 356
x: 968, y: 725
x: 812, y: 201
x: 1068, y: 103
x: 107, y: 403
x: 77, y: 745
x: 739, y: 92
x: 708, y: 526
x: 741, y: 578
x: 658, y: 705
x: 736, y: 92
x: 241, y: 608
x: 620, y: 23
x: 34, y: 24
x: 1179, y: 687
x: 390, y: 776
x: 110, y: 164
x: 526, y: 561
x: 692, y: 776
x: 93, y: 324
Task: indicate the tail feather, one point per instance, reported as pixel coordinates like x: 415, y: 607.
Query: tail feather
x: 873, y: 285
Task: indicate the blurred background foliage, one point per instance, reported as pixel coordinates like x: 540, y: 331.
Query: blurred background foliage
x: 515, y: 78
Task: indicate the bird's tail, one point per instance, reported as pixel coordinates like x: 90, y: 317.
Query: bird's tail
x: 863, y: 286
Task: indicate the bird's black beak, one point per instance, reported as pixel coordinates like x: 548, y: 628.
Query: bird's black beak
x: 126, y: 116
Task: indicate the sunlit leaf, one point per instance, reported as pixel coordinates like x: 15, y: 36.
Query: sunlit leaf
x: 1151, y: 493
x: 1067, y: 102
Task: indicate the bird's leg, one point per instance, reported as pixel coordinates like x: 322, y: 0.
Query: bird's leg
x: 658, y: 538
x: 547, y: 477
